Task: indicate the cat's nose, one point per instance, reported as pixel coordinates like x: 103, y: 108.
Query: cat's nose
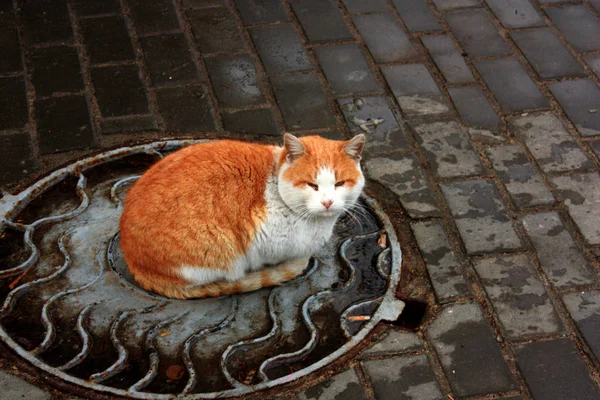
x: 327, y: 203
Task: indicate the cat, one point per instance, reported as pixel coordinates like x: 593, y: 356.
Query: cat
x: 225, y: 217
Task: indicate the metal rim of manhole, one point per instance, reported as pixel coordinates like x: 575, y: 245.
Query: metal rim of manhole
x: 70, y: 308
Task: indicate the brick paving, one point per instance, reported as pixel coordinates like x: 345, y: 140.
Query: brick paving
x: 483, y: 118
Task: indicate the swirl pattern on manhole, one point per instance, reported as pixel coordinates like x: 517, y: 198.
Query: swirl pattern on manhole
x: 70, y: 308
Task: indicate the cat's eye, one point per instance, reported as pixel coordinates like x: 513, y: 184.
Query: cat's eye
x: 340, y: 183
x: 312, y: 185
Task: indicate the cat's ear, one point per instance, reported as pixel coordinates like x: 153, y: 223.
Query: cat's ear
x: 354, y: 146
x: 293, y: 147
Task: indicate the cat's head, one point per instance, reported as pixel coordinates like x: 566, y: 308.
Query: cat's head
x: 320, y: 177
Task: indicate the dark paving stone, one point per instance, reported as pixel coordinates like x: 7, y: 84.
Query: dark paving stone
x: 594, y: 62
x: 546, y: 53
x: 169, y: 59
x: 417, y: 16
x: 13, y: 103
x: 444, y: 269
x: 119, y: 91
x: 378, y: 122
x: 595, y: 4
x: 560, y: 258
x: 554, y: 370
x: 17, y: 157
x: 415, y: 89
x: 251, y: 121
x: 477, y: 33
x: 480, y: 216
x: 405, y: 177
x: 522, y: 181
x: 100, y: 36
x: 518, y: 296
x: 46, y: 21
x: 384, y: 37
x: 362, y: 6
x: 302, y: 102
x: 94, y: 7
x: 234, y: 80
x: 55, y: 69
x: 11, y: 51
x: 595, y: 145
x: 204, y: 3
x: 474, y: 108
x: 394, y: 342
x: 153, y: 16
x: 185, y: 109
x: 63, y: 124
x: 216, y: 30
x: 344, y: 386
x: 405, y: 378
x: 578, y: 24
x: 261, y: 11
x: 446, y: 5
x: 581, y: 101
x: 321, y: 20
x: 346, y: 69
x: 280, y: 49
x: 584, y: 308
x: 7, y: 15
x: 469, y: 353
x: 134, y: 123
x: 448, y: 59
x: 511, y: 85
x: 516, y: 13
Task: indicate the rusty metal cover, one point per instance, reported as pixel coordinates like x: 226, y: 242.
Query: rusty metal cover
x: 70, y: 307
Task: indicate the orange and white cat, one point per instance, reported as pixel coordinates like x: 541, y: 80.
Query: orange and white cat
x: 226, y: 217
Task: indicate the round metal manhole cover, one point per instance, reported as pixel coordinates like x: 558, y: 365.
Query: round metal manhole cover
x: 70, y: 308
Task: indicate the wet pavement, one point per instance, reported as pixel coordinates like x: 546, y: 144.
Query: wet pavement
x: 483, y: 125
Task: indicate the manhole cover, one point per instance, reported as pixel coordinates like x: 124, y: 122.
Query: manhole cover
x: 70, y: 308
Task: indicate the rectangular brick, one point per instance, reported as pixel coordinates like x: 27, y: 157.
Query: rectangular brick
x: 516, y: 13
x: 11, y: 51
x: 511, y: 85
x: 169, y: 59
x: 444, y: 269
x: 7, y: 15
x: 362, y: 6
x: 261, y: 11
x: 216, y: 30
x: 474, y: 108
x: 594, y: 62
x: 546, y: 53
x: 46, y: 21
x: 153, y: 16
x: 522, y: 181
x: 345, y: 385
x: 415, y: 89
x: 313, y: 14
x: 477, y: 33
x: 581, y: 101
x: 17, y: 159
x: 404, y: 176
x: 480, y: 216
x: 595, y: 4
x: 259, y: 121
x: 280, y: 49
x: 132, y: 123
x: 346, y: 69
x: 185, y: 109
x: 446, y: 5
x: 100, y: 36
x: 13, y: 103
x: 551, y: 145
x: 119, y: 91
x: 448, y: 149
x: 94, y: 7
x: 518, y: 296
x: 384, y: 37
x: 394, y: 342
x: 584, y: 308
x: 560, y: 258
x: 302, y: 102
x: 578, y: 24
x: 234, y: 80
x: 448, y: 59
x: 417, y: 16
x: 554, y: 370
x: 55, y: 70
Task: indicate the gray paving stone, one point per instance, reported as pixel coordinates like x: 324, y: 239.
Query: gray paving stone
x: 584, y: 308
x: 13, y: 387
x: 474, y: 108
x: 185, y: 109
x: 417, y: 16
x: 448, y: 149
x: 386, y: 136
x: 362, y: 6
x: 581, y: 194
x: 168, y: 58
x: 444, y: 269
x: 405, y: 378
x: 480, y: 216
x: 560, y: 258
x: 578, y: 24
x: 522, y: 181
x: 346, y: 69
x: 595, y: 145
x: 516, y: 13
x: 594, y: 62
x: 344, y: 386
x: 469, y: 353
x: 260, y: 121
x: 486, y: 136
x: 551, y: 145
x: 518, y: 296
x: 153, y: 16
x: 448, y: 59
x: 595, y: 4
x: 261, y: 11
x: 511, y: 85
x: 404, y: 176
x: 216, y: 30
x: 554, y: 370
x: 445, y: 5
x: 477, y: 33
x: 321, y: 20
x: 581, y: 101
x: 17, y: 160
x: 395, y: 341
x: 415, y: 89
x: 280, y: 48
x: 546, y: 53
x: 234, y: 80
x: 384, y: 37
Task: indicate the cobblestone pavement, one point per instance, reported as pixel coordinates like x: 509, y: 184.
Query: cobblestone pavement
x: 483, y: 120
